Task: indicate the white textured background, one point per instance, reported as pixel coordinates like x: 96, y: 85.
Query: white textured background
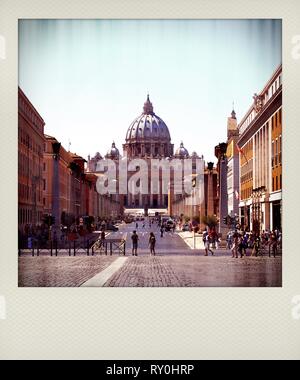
x: 198, y: 323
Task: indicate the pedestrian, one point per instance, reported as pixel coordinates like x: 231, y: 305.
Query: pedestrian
x: 245, y: 243
x: 29, y: 242
x: 256, y: 245
x: 240, y: 245
x: 273, y: 243
x: 152, y: 242
x: 204, y: 234
x: 229, y: 240
x: 174, y: 227
x: 102, y: 238
x: 207, y: 245
x: 134, y: 238
x: 216, y: 240
x: 136, y: 225
x: 235, y: 244
x: 162, y: 231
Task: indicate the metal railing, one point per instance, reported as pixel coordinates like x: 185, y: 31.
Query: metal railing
x: 55, y: 247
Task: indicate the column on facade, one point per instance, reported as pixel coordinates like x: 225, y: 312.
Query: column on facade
x: 210, y: 194
x: 253, y: 161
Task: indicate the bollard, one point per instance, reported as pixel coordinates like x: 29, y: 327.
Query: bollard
x: 32, y: 248
x: 93, y: 250
x: 55, y: 247
x: 106, y: 247
x: 38, y: 249
x: 74, y: 248
x: 69, y: 248
x: 50, y: 247
x: 88, y: 247
x: 110, y: 248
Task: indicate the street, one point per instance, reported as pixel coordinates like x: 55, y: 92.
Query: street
x: 175, y: 265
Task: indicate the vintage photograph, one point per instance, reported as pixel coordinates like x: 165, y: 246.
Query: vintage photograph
x: 150, y: 153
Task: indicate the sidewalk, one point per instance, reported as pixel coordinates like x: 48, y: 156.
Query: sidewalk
x: 194, y: 241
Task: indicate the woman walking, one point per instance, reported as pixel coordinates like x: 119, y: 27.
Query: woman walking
x: 152, y: 242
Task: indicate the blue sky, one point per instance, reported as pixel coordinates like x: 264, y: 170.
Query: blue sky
x: 89, y: 78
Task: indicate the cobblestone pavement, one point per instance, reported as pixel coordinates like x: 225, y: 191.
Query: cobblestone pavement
x: 175, y: 265
x: 180, y: 271
x: 60, y: 271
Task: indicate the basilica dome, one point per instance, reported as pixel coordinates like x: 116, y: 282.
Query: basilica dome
x: 148, y: 126
x: 148, y: 135
x: 113, y: 152
x: 182, y: 152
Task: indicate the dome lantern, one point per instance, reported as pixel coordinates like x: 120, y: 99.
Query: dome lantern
x: 148, y: 107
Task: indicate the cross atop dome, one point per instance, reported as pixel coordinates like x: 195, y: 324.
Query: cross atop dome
x: 148, y: 107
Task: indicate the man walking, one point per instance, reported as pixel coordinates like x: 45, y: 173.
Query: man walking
x: 134, y: 238
x: 162, y: 231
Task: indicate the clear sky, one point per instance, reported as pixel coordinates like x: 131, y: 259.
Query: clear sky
x: 89, y: 78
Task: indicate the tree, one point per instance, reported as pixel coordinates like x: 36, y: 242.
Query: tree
x: 210, y: 221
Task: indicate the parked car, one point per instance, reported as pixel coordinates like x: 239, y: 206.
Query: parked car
x: 170, y: 224
x: 128, y: 220
x: 185, y: 227
x: 111, y: 227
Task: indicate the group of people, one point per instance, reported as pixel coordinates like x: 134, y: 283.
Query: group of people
x: 239, y: 241
x: 210, y: 240
x: 135, y: 239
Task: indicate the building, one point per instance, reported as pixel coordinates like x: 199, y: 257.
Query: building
x: 57, y: 186
x: 148, y: 138
x: 260, y: 144
x: 70, y: 193
x: 183, y: 206
x: 53, y: 181
x: 233, y: 166
x: 30, y: 162
x: 222, y: 187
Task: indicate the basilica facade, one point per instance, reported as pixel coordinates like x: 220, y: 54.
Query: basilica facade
x: 147, y: 138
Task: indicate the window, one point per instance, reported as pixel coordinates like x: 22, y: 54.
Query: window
x: 273, y: 188
x: 276, y: 182
x: 44, y: 184
x: 44, y: 166
x: 279, y: 116
x: 279, y: 148
x: 280, y: 182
